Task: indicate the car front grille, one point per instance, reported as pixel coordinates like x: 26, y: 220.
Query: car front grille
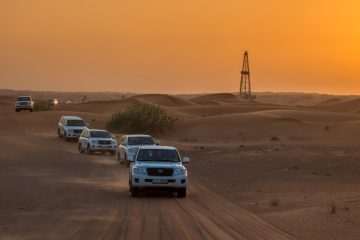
x: 77, y: 130
x: 105, y: 142
x: 160, y: 171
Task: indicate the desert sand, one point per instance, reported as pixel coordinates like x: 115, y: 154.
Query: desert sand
x: 285, y: 166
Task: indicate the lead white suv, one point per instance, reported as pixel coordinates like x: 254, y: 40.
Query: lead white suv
x: 95, y: 140
x: 70, y: 127
x: 24, y: 103
x: 160, y: 168
x: 130, y: 144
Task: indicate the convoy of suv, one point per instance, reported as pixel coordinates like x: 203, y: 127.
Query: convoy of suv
x: 152, y: 167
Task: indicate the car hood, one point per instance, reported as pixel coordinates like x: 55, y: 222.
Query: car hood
x: 75, y: 127
x: 158, y: 165
x: 103, y: 139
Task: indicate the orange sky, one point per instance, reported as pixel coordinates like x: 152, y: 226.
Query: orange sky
x: 180, y: 46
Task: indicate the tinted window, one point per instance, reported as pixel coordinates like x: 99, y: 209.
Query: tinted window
x: 24, y: 99
x: 140, y: 141
x: 100, y: 134
x: 158, y: 155
x: 74, y: 123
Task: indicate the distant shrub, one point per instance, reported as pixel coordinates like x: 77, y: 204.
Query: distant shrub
x: 274, y: 203
x: 333, y: 208
x: 274, y: 138
x: 140, y: 118
x: 41, y: 105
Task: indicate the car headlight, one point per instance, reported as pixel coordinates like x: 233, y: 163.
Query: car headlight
x: 132, y: 151
x: 139, y: 170
x: 93, y: 141
x: 180, y: 171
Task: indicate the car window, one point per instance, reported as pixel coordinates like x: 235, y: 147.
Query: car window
x: 23, y: 99
x: 158, y: 155
x: 140, y: 141
x: 100, y: 134
x: 75, y: 123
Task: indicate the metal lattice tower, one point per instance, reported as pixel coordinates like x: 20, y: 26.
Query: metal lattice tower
x: 245, y: 85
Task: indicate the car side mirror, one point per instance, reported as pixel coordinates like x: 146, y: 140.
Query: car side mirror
x: 113, y: 136
x: 131, y: 158
x: 157, y: 142
x: 186, y: 159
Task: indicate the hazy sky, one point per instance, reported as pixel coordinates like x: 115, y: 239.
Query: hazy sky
x: 178, y: 46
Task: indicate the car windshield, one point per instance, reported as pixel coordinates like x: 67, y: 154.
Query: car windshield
x: 100, y: 134
x: 140, y: 141
x: 23, y: 99
x: 76, y: 123
x: 158, y: 155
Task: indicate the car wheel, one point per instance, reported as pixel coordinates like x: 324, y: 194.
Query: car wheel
x: 81, y: 150
x: 31, y: 110
x: 88, y: 149
x: 181, y: 193
x: 134, y: 191
x: 65, y: 136
x: 112, y: 153
x: 59, y: 133
x: 17, y: 110
x: 126, y: 161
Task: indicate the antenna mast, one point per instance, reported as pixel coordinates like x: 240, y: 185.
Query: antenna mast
x: 245, y: 85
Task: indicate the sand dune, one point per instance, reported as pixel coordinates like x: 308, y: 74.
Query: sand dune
x: 215, y: 99
x: 163, y: 100
x: 104, y: 107
x: 340, y: 105
x: 245, y: 156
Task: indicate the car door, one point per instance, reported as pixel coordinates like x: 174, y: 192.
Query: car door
x: 59, y: 124
x: 62, y: 126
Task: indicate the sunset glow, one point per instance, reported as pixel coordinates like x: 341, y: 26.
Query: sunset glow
x: 180, y: 46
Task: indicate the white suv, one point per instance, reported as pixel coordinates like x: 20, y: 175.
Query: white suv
x: 158, y: 167
x: 70, y: 127
x: 95, y: 140
x: 24, y: 103
x: 130, y: 144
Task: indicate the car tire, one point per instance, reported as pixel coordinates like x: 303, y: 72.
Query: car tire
x: 126, y: 161
x: 81, y: 150
x: 181, y: 193
x: 112, y: 153
x: 59, y: 133
x: 31, y: 110
x: 65, y: 136
x: 88, y: 149
x: 134, y: 191
x: 17, y: 110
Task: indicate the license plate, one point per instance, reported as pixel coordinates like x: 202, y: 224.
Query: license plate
x: 160, y: 181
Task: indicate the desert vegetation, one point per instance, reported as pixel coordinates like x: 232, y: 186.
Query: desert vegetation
x: 141, y: 118
x: 41, y: 105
